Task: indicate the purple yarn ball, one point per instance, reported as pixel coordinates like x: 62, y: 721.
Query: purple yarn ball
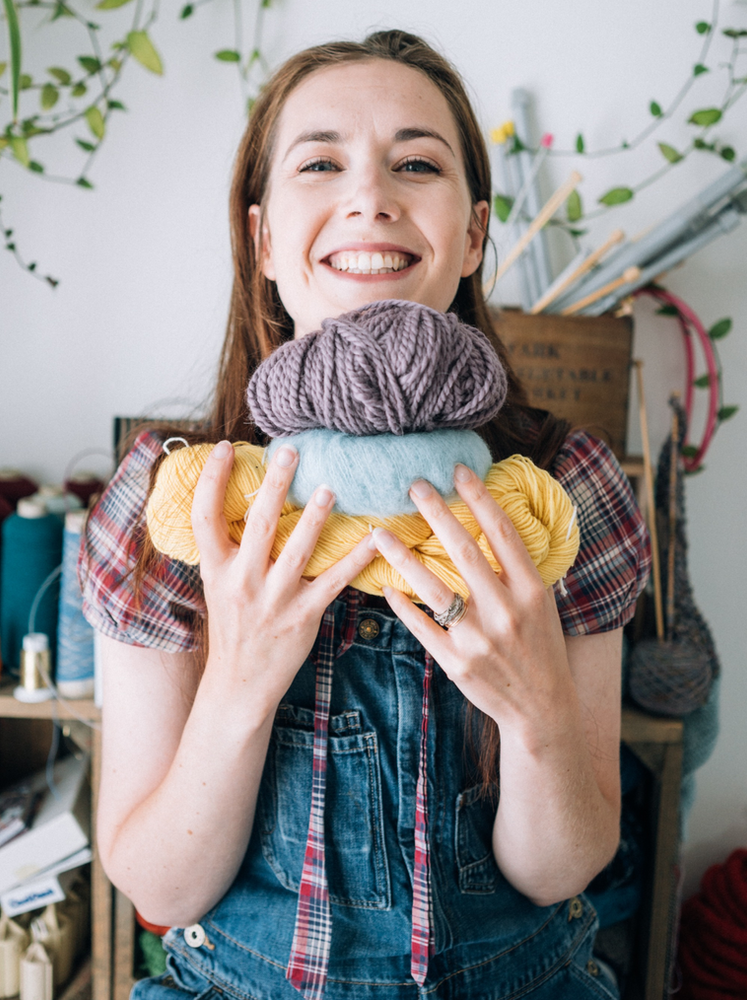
x: 390, y: 367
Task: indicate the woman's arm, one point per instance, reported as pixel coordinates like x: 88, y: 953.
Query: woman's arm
x: 558, y: 820
x: 183, y: 755
x: 556, y: 701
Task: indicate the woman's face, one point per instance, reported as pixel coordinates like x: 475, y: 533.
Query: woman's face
x: 367, y: 197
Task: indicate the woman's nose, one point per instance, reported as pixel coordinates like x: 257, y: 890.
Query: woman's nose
x: 373, y: 197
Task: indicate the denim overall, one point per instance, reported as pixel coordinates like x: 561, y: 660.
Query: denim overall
x: 491, y: 942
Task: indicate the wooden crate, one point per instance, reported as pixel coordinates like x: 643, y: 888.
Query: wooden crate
x: 575, y: 366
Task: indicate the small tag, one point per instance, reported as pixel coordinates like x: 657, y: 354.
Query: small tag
x: 31, y: 896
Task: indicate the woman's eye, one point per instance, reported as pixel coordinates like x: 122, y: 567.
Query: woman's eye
x: 418, y: 166
x: 318, y: 165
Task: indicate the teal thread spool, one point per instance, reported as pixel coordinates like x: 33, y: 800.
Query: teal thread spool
x: 31, y: 550
x: 74, y: 636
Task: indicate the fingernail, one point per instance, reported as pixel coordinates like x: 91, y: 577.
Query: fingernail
x: 323, y: 496
x: 371, y: 541
x: 381, y: 538
x: 462, y: 473
x: 421, y: 489
x: 287, y: 456
x: 222, y: 450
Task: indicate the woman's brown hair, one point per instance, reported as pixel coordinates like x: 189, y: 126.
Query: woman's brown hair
x: 258, y: 322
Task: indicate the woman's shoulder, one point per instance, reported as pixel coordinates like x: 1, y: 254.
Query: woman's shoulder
x: 601, y: 588
x: 147, y: 602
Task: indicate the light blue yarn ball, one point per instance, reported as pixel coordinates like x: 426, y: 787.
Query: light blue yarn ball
x: 371, y: 475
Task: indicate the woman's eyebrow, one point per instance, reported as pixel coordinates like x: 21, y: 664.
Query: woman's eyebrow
x: 315, y: 135
x: 406, y: 134
x: 401, y: 135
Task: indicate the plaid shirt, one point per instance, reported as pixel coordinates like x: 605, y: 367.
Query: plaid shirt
x: 597, y: 595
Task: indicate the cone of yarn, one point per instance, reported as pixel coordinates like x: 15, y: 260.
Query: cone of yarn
x: 14, y: 485
x: 84, y: 485
x: 36, y: 974
x: 538, y: 506
x: 713, y: 934
x: 13, y: 942
x: 390, y: 367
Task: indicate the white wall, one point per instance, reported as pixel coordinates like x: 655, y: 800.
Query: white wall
x: 144, y: 260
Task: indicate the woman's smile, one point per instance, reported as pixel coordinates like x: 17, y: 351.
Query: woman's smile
x: 368, y: 197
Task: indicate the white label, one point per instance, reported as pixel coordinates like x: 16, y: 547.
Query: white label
x: 31, y: 896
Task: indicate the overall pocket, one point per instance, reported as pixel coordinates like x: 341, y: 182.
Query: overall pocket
x: 357, y: 868
x: 477, y: 871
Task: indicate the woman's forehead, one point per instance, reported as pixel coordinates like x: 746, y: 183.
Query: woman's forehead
x: 377, y: 93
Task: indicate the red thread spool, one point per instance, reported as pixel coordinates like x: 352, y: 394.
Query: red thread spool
x: 14, y: 486
x: 84, y: 485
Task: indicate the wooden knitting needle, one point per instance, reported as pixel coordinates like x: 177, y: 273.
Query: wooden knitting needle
x: 649, y: 480
x: 629, y: 275
x: 552, y: 293
x: 543, y: 216
x: 675, y: 438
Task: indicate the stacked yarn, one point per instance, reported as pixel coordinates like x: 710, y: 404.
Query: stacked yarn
x: 391, y: 367
x: 358, y: 397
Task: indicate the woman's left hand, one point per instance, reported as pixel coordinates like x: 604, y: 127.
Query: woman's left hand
x: 507, y: 654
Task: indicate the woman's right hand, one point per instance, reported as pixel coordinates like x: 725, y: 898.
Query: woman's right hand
x: 263, y: 616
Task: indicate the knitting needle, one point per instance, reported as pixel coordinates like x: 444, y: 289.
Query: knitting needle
x: 649, y: 481
x: 628, y: 276
x: 555, y: 290
x: 546, y: 213
x: 674, y: 448
x: 530, y: 178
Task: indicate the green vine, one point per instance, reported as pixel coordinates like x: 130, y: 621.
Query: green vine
x: 704, y: 119
x: 79, y: 92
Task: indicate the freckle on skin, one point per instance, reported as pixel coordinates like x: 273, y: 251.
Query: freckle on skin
x: 189, y: 832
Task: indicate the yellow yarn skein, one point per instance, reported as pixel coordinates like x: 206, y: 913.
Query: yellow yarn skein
x: 538, y: 506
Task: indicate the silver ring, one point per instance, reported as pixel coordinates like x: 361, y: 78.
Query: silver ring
x: 453, y: 614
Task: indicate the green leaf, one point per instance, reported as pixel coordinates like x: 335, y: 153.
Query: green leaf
x: 655, y: 109
x: 266, y: 3
x: 89, y: 64
x: 14, y: 42
x: 36, y: 167
x: 187, y: 11
x: 228, y: 55
x: 667, y: 310
x: 25, y: 81
x: 20, y: 150
x: 111, y: 4
x: 144, y: 51
x: 616, y: 196
x: 502, y: 206
x: 702, y: 144
x: 728, y: 153
x: 79, y: 89
x: 688, y: 451
x: 719, y: 330
x: 726, y: 412
x: 95, y: 121
x: 49, y: 96
x: 254, y: 57
x: 3, y: 67
x: 702, y: 27
x: 573, y: 207
x: 580, y: 144
x: 706, y: 117
x: 87, y: 147
x: 517, y: 146
x: 84, y: 183
x: 577, y: 233
x: 699, y: 68
x: 116, y: 64
x: 670, y: 153
x: 702, y: 382
x: 61, y: 75
x: 735, y: 32
x: 115, y: 106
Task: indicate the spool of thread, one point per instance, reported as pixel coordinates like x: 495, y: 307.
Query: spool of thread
x: 31, y: 550
x: 74, y: 673
x: 14, y: 485
x: 13, y: 942
x: 36, y: 974
x: 84, y: 485
x: 36, y: 665
x: 56, y: 500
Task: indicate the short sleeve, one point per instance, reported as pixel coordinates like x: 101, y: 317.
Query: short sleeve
x: 600, y: 590
x: 161, y: 610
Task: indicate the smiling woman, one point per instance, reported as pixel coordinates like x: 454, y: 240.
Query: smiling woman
x: 318, y: 789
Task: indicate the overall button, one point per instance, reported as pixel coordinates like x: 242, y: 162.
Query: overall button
x: 575, y: 908
x: 368, y: 628
x: 194, y: 936
x: 592, y: 968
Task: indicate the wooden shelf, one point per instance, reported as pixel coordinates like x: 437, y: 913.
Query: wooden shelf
x: 11, y: 708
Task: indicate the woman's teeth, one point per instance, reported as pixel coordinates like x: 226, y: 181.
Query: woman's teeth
x: 369, y: 263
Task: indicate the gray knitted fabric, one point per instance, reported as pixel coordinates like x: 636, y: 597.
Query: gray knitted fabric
x: 390, y: 367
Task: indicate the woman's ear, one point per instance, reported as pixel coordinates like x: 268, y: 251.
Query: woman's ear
x: 478, y: 226
x: 260, y: 235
